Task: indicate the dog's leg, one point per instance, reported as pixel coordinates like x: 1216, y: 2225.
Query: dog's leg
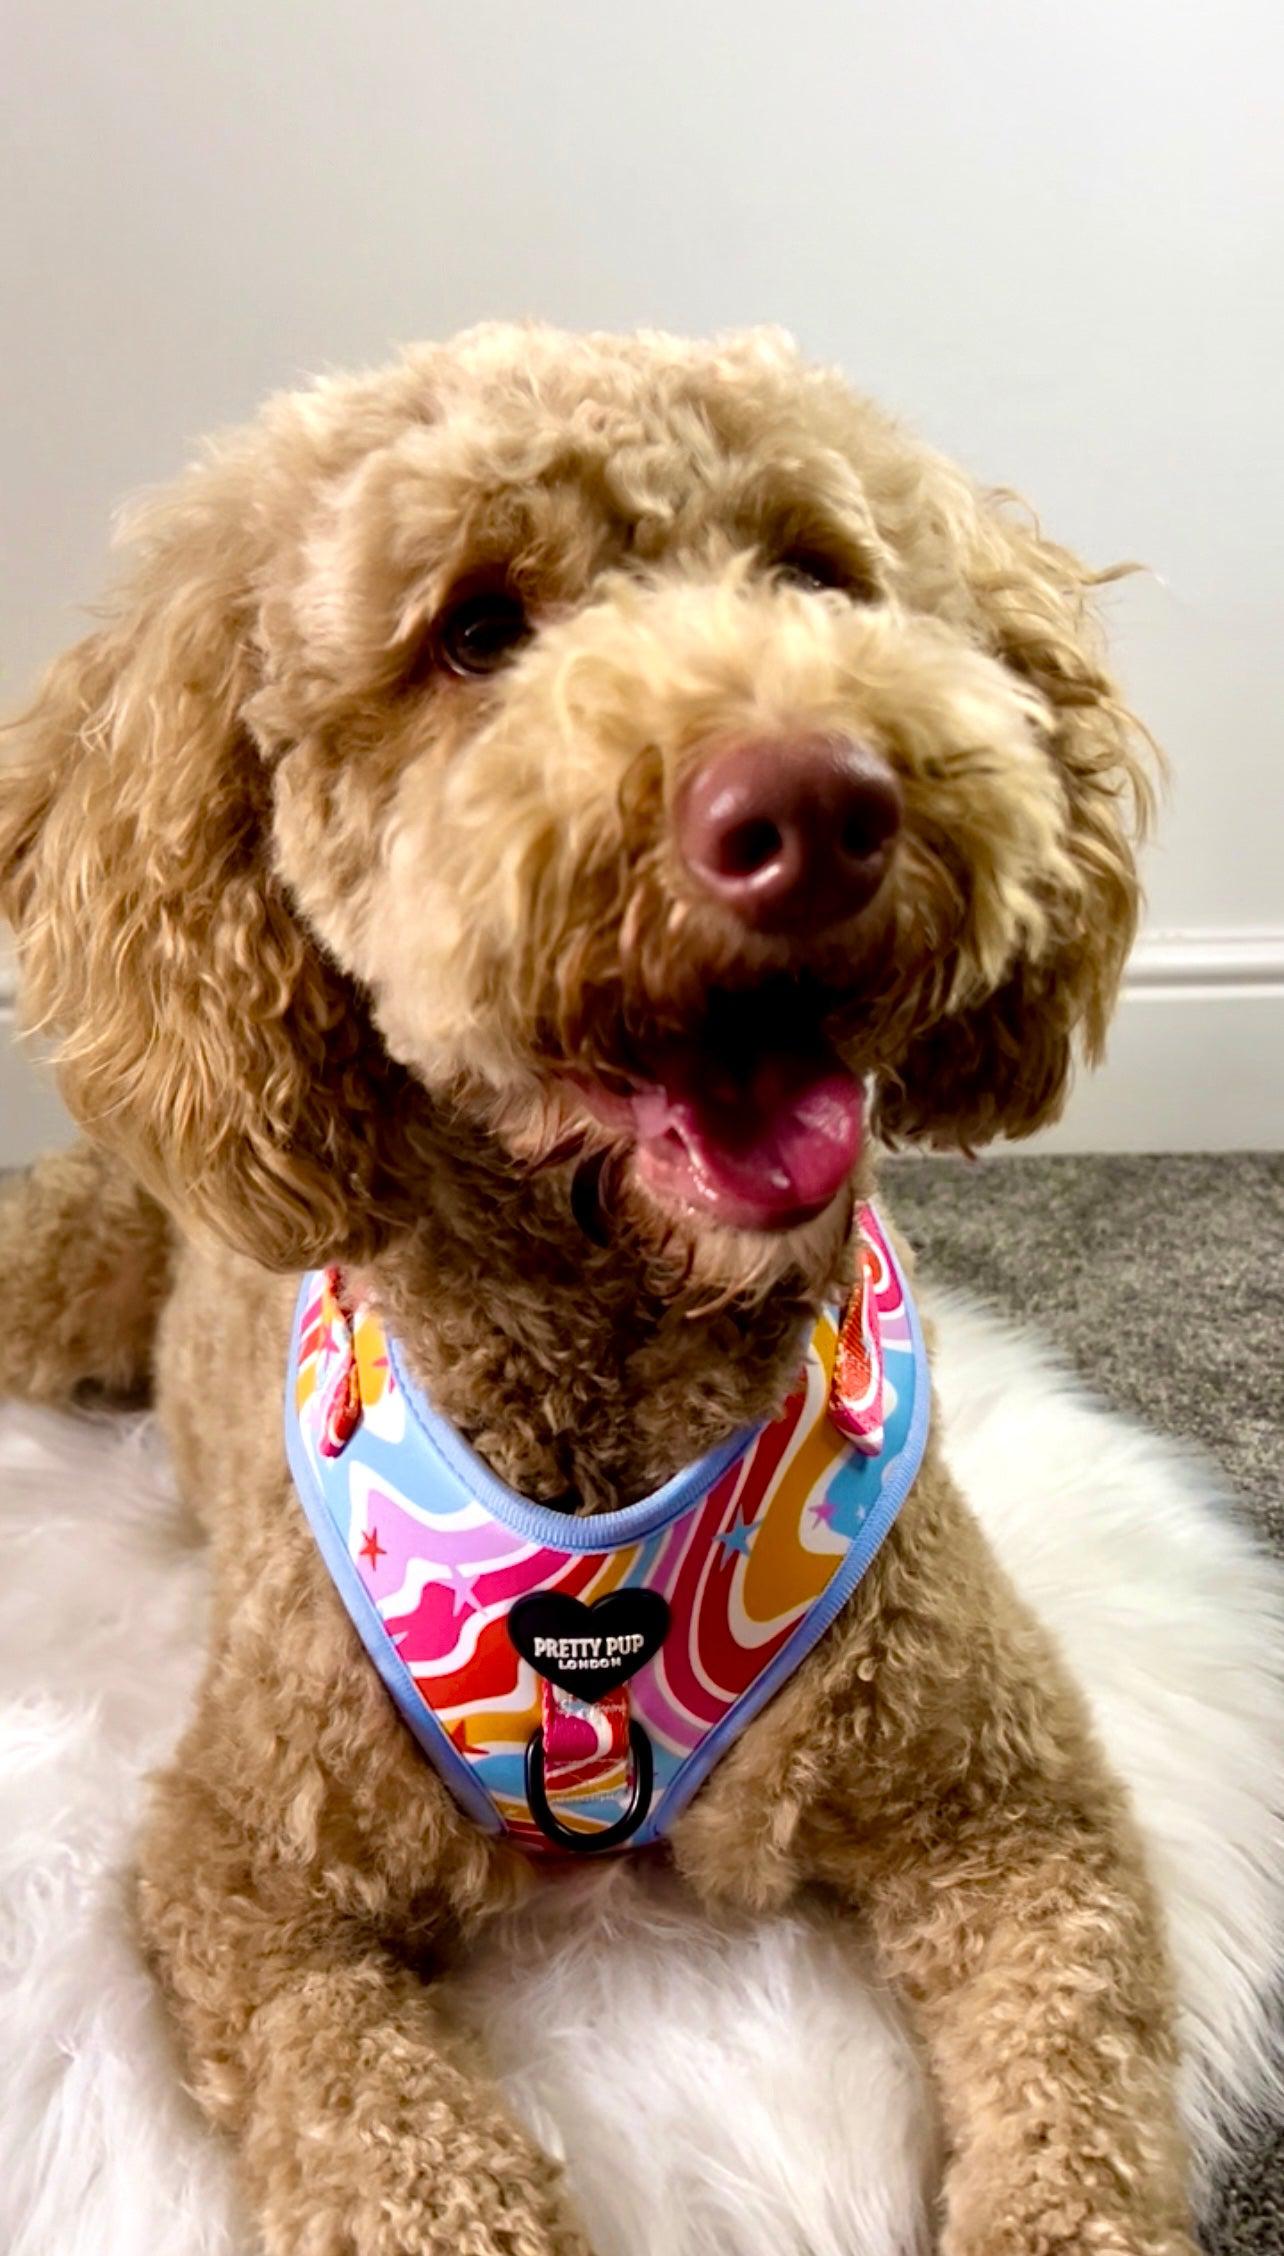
x: 935, y: 1766
x: 364, y: 2125
x: 84, y: 1255
x: 1029, y: 1944
x: 303, y: 1861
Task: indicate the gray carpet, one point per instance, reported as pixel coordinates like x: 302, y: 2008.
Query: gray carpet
x: 1162, y: 1282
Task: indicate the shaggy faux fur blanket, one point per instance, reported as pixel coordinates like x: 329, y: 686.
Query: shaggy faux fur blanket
x: 744, y: 2090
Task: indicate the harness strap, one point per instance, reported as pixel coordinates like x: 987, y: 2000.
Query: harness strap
x: 856, y: 1393
x: 584, y: 1740
x: 342, y: 1413
x: 629, y: 1777
x: 588, y: 1748
x: 588, y: 1768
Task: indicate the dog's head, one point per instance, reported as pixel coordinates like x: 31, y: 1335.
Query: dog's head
x: 630, y: 748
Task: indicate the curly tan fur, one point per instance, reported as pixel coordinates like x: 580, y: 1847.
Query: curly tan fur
x: 330, y: 939
x: 97, y: 1251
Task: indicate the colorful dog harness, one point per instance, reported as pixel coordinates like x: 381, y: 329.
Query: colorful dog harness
x: 574, y: 1680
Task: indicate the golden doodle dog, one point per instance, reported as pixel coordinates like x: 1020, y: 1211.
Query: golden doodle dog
x: 522, y: 807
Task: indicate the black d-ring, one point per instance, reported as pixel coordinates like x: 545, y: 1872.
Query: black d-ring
x: 610, y: 1837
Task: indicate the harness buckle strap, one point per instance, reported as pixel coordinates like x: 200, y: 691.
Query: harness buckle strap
x: 584, y: 1750
x: 584, y: 1740
x: 856, y: 1403
x: 613, y: 1836
x: 342, y: 1408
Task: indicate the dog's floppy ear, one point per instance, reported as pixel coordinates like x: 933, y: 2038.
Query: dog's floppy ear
x: 201, y: 1032
x: 1001, y: 1065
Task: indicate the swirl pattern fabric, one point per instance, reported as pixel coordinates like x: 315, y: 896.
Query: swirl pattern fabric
x: 754, y: 1548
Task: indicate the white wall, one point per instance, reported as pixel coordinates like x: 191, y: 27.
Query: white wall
x: 1049, y: 234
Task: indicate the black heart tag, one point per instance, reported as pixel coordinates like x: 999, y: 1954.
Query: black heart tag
x: 588, y: 1650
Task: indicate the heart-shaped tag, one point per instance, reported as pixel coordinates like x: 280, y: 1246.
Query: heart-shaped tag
x: 588, y: 1650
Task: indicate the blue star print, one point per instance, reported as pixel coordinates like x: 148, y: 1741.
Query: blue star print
x: 739, y: 1537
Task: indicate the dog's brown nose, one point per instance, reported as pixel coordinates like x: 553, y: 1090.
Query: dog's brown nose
x: 791, y: 832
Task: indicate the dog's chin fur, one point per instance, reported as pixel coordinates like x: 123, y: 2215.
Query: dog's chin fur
x: 719, y: 1265
x: 711, y: 1265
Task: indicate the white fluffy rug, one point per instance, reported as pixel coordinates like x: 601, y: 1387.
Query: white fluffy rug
x: 716, y: 2091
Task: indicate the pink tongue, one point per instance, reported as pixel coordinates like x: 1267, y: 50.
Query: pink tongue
x: 770, y: 1155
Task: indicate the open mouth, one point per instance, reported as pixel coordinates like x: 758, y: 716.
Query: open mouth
x: 754, y: 1123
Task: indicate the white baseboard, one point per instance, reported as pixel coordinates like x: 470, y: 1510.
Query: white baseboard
x: 1245, y: 956
x: 1196, y: 1058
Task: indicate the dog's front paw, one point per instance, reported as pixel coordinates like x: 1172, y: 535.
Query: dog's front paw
x: 511, y: 2203
x: 373, y: 2131
x: 1059, y: 2234
x: 497, y: 2196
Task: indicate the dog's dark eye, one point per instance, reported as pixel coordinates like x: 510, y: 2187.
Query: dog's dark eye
x: 480, y: 632
x: 804, y: 568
